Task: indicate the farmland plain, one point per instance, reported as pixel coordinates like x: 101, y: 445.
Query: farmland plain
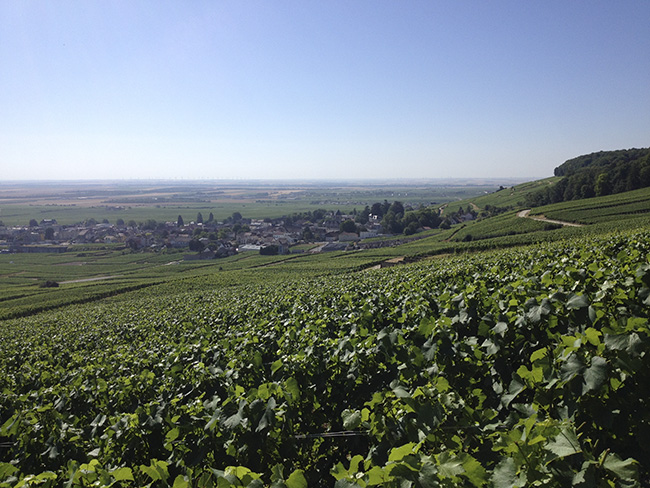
x: 74, y: 202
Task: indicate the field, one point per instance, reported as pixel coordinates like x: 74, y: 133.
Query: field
x: 161, y: 201
x: 507, y: 366
x: 594, y: 210
x: 507, y: 198
x: 507, y: 353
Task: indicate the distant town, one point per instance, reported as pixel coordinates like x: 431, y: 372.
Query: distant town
x: 207, y: 238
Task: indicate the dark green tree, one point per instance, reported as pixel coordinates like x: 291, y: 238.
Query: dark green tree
x: 318, y: 215
x: 603, y: 185
x: 397, y: 208
x: 362, y: 217
x: 149, y: 224
x: 411, y: 229
x: 307, y: 234
x: 196, y: 245
x: 392, y: 223
x: 348, y: 226
x: 179, y: 221
x: 271, y: 250
x: 199, y: 218
x: 377, y: 209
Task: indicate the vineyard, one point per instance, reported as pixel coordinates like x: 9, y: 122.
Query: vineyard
x: 520, y: 367
x: 603, y: 209
x: 500, y: 225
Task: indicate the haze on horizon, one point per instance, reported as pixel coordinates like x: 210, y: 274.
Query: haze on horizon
x: 318, y: 90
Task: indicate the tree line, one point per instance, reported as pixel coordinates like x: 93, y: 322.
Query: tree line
x: 597, y: 174
x: 394, y: 217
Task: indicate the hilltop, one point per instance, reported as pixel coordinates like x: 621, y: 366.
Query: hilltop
x: 597, y: 174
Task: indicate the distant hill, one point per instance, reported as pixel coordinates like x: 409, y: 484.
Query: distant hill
x: 597, y: 174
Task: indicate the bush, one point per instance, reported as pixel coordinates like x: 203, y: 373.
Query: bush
x: 411, y: 229
x: 269, y: 250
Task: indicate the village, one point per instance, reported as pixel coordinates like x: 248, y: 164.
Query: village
x: 317, y: 231
x: 206, y: 240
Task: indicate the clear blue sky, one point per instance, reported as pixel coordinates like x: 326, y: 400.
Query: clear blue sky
x: 318, y: 89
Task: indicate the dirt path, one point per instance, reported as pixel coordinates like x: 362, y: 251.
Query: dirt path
x: 82, y: 280
x: 541, y: 218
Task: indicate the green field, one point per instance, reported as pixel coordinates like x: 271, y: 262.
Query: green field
x: 594, y: 210
x: 21, y: 214
x: 71, y: 204
x: 464, y: 371
x: 508, y: 198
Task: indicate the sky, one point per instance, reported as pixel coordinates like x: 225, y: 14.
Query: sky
x: 337, y: 89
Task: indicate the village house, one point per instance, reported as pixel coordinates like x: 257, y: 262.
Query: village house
x: 179, y: 241
x: 348, y: 237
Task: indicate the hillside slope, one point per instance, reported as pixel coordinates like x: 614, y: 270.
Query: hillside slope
x: 136, y: 273
x: 518, y: 356
x: 522, y: 366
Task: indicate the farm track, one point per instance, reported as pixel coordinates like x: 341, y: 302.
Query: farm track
x: 541, y: 218
x: 96, y: 278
